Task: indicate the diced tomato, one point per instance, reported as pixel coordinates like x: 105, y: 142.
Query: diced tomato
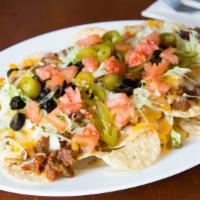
x: 71, y: 101
x: 46, y: 72
x: 123, y: 46
x: 147, y: 47
x: 157, y: 85
x: 149, y: 44
x: 58, y: 123
x: 33, y: 112
x: 114, y: 66
x: 58, y: 76
x: 121, y: 108
x: 154, y: 71
x: 154, y: 37
x: 153, y: 74
x: 69, y: 73
x: 56, y: 81
x: 89, y: 138
x: 168, y: 55
x: 117, y: 99
x: 122, y: 117
x: 143, y: 49
x: 134, y: 58
x: 89, y: 40
x: 90, y: 64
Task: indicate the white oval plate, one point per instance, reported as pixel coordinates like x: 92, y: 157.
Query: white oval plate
x: 100, y: 179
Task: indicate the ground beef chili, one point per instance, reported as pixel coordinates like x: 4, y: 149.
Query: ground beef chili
x: 66, y: 156
x: 51, y: 173
x: 195, y: 91
x: 35, y: 164
x: 58, y: 163
x: 182, y: 105
x: 42, y: 146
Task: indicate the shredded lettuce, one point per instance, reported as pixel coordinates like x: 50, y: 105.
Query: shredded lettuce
x: 6, y: 114
x: 189, y: 51
x: 141, y: 97
x: 169, y: 28
x: 180, y: 73
x: 11, y: 90
x: 146, y: 30
x: 71, y: 55
x: 101, y: 71
x: 177, y: 72
x: 139, y: 35
x: 190, y: 96
x: 176, y: 139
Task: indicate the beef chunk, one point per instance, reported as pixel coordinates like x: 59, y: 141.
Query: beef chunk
x: 66, y: 156
x: 42, y: 145
x: 50, y: 172
x: 182, y: 105
x: 59, y: 164
x: 35, y: 164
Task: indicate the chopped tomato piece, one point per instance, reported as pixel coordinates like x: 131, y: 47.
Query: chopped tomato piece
x: 114, y: 66
x: 71, y: 101
x: 143, y: 49
x: 89, y: 138
x: 122, y: 115
x: 46, y: 72
x: 56, y: 81
x: 33, y: 112
x: 154, y: 37
x: 69, y: 73
x: 168, y: 55
x: 121, y: 108
x: 157, y: 85
x: 90, y: 64
x: 134, y: 58
x: 123, y: 46
x: 147, y: 47
x: 154, y: 71
x: 117, y: 99
x: 153, y: 74
x: 149, y: 44
x: 55, y: 119
x: 58, y: 76
x: 89, y: 40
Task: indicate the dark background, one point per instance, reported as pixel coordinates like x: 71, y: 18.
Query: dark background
x: 22, y: 19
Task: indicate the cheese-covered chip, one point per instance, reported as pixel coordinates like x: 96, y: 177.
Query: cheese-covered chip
x: 191, y: 126
x: 137, y: 154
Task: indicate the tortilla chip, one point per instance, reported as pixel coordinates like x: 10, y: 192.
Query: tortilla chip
x: 191, y: 126
x: 89, y: 31
x: 194, y: 111
x: 32, y: 59
x: 15, y: 171
x: 139, y: 153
